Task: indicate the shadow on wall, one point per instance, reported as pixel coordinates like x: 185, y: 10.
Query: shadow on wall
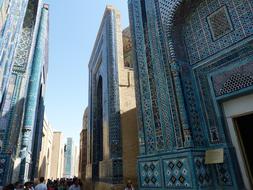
x: 130, y: 145
x: 11, y: 129
x: 12, y: 140
x: 130, y: 150
x: 42, y: 168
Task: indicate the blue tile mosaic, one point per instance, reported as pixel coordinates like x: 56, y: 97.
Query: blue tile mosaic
x: 189, y: 45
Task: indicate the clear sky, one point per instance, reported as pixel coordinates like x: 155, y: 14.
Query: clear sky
x: 73, y: 28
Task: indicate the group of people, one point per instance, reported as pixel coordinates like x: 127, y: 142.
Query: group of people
x: 59, y: 184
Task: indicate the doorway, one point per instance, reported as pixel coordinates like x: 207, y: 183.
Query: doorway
x: 244, y: 129
x: 239, y: 118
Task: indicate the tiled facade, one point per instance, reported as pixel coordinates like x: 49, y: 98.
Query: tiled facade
x: 69, y: 158
x: 191, y: 57
x: 22, y: 108
x: 11, y: 21
x: 111, y: 115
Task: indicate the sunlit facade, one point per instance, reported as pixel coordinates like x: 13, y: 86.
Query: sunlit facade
x: 12, y: 13
x: 194, y: 93
x: 57, y: 158
x: 22, y: 106
x: 112, y: 127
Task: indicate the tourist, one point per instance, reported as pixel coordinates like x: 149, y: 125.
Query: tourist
x: 9, y: 187
x: 41, y: 185
x: 129, y: 185
x: 75, y: 185
x: 18, y: 186
x: 27, y: 186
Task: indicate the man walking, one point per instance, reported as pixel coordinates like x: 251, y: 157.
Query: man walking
x: 75, y: 185
x: 41, y: 185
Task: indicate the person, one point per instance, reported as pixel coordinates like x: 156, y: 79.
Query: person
x: 9, y: 187
x: 62, y: 185
x: 75, y: 185
x: 129, y: 185
x: 28, y: 185
x: 41, y: 185
x: 18, y: 186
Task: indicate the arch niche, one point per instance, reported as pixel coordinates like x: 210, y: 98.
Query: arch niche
x: 98, y: 129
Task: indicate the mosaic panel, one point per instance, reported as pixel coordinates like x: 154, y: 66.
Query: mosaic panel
x: 207, y: 104
x: 167, y: 13
x: 233, y: 80
x: 25, y: 41
x: 143, y: 79
x: 21, y: 57
x: 142, y: 148
x: 112, y: 73
x: 9, y: 38
x: 167, y: 8
x: 177, y: 173
x: 173, y: 126
x: 203, y: 172
x: 152, y: 69
x: 199, y: 39
x: 3, y: 169
x: 223, y: 174
x: 162, y: 80
x: 32, y: 94
x: 220, y: 23
x: 192, y: 106
x: 150, y: 174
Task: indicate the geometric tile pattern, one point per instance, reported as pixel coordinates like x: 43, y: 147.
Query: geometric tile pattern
x: 29, y: 121
x: 201, y: 74
x: 140, y: 116
x: 219, y: 23
x: 154, y: 89
x: 192, y: 107
x: 25, y: 41
x: 159, y: 85
x: 233, y: 80
x: 21, y: 56
x: 176, y: 173
x: 150, y: 174
x: 236, y: 82
x: 3, y: 169
x: 20, y: 37
x: 221, y: 79
x: 201, y: 30
x: 9, y: 36
x: 223, y: 175
x: 192, y: 31
x: 203, y: 172
x: 143, y: 78
x: 113, y: 95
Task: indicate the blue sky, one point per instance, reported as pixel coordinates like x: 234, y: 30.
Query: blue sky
x: 73, y: 28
